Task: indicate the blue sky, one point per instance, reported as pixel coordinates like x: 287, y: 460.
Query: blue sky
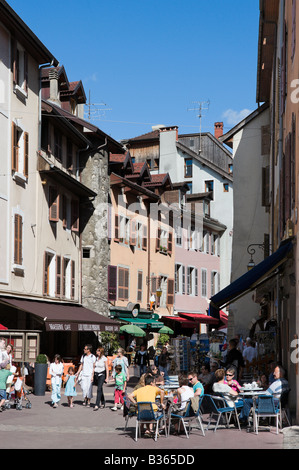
x: 150, y: 62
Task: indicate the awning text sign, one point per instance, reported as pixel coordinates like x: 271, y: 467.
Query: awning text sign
x: 81, y: 327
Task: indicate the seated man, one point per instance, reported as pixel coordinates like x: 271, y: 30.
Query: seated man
x: 148, y: 393
x: 279, y: 386
x: 195, y: 384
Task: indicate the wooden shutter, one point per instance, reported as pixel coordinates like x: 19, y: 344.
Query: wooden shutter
x: 14, y: 148
x: 64, y: 267
x: 53, y: 204
x: 69, y: 155
x: 116, y: 228
x: 112, y: 283
x: 18, y: 243
x: 170, y: 292
x: 169, y: 244
x: 183, y: 280
x: 75, y: 215
x: 196, y: 281
x: 144, y: 237
x: 139, y: 286
x: 158, y: 239
x: 133, y: 233
x: 46, y: 274
x: 73, y: 275
x: 64, y: 211
x: 14, y: 60
x: 58, y: 276
x: 26, y: 153
x: 123, y: 284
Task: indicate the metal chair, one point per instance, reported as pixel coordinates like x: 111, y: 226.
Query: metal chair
x: 129, y: 410
x: 284, y: 411
x: 210, y: 405
x: 186, y: 418
x: 147, y: 415
x: 264, y: 407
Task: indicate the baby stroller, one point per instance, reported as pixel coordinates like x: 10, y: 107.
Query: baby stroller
x: 17, y: 395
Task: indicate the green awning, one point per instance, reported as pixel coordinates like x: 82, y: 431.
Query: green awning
x: 143, y: 322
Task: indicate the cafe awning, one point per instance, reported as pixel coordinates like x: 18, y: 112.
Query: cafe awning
x: 59, y: 316
x: 251, y: 279
x: 184, y: 322
x: 143, y: 322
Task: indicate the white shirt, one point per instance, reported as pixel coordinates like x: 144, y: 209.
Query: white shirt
x: 249, y: 354
x: 88, y: 361
x: 56, y: 371
x: 100, y: 364
x: 186, y: 394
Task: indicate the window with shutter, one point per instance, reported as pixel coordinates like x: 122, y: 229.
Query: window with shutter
x: 69, y: 155
x: 57, y: 144
x: 26, y: 153
x: 116, y: 228
x: 183, y: 280
x: 123, y: 284
x: 14, y: 148
x: 144, y: 237
x: 53, y: 204
x: 196, y: 281
x: 139, y: 286
x: 133, y: 233
x: 65, y: 278
x: 75, y: 215
x: 48, y: 287
x: 158, y: 239
x: 18, y: 236
x: 112, y: 283
x: 169, y: 245
x: 204, y: 283
x: 64, y: 211
x: 58, y: 276
x: 170, y: 292
x: 73, y: 275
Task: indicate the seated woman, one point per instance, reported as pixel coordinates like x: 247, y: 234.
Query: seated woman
x: 226, y: 391
x: 229, y: 380
x: 184, y: 393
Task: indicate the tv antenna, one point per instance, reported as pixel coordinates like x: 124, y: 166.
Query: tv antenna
x: 95, y: 110
x: 200, y: 106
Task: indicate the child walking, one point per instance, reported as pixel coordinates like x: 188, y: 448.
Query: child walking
x: 4, y: 374
x: 56, y: 371
x: 120, y: 387
x: 70, y: 387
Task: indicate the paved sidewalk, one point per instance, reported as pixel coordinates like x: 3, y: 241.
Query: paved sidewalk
x: 43, y: 427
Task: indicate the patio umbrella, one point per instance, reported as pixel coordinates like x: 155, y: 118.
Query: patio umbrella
x: 166, y: 330
x: 2, y: 327
x: 133, y: 330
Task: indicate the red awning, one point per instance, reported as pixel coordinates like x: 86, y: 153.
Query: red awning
x: 184, y: 322
x: 200, y: 318
x: 2, y: 327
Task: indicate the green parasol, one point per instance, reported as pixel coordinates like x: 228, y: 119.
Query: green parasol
x: 166, y: 330
x: 133, y: 330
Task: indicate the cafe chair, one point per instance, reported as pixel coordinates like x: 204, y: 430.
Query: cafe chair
x: 146, y: 415
x: 284, y: 412
x: 187, y: 418
x: 216, y: 406
x: 264, y: 407
x: 129, y: 410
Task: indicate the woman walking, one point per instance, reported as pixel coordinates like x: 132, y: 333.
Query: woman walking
x: 101, y: 374
x: 56, y: 371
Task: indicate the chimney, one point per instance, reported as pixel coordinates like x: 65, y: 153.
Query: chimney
x: 54, y: 91
x: 218, y: 132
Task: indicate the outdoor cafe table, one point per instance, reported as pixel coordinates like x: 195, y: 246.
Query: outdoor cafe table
x: 250, y: 393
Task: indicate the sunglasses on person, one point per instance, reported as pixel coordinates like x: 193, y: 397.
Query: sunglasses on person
x: 230, y: 375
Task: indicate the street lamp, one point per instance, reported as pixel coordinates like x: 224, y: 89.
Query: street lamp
x: 251, y: 251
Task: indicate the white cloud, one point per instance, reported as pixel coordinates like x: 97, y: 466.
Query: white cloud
x: 234, y: 117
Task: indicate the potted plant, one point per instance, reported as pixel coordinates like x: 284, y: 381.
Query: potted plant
x: 40, y: 374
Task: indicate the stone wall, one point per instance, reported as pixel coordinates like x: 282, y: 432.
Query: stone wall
x: 95, y: 243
